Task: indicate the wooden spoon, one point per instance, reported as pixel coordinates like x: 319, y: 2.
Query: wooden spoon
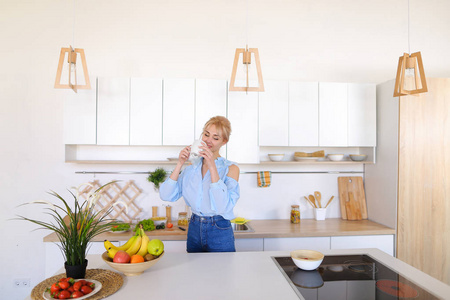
x: 312, y: 204
x: 329, y: 201
x: 318, y: 196
x: 313, y: 200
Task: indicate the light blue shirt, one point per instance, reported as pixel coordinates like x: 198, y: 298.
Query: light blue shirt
x: 204, y: 198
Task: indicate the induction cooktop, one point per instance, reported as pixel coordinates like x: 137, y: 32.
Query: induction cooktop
x: 345, y: 277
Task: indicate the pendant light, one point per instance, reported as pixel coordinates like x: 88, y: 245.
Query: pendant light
x: 410, y: 77
x: 71, y: 66
x: 245, y: 58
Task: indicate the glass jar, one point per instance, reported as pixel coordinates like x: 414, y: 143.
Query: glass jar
x: 295, y: 214
x: 183, y: 219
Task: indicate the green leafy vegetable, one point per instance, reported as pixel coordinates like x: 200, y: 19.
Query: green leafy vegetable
x: 147, y: 225
x: 120, y: 227
x: 157, y: 177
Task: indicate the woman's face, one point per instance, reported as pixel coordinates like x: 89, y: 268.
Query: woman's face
x: 213, y: 138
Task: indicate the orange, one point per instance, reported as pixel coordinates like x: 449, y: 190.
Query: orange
x: 137, y: 259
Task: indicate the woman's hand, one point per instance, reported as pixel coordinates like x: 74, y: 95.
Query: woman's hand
x: 184, y: 155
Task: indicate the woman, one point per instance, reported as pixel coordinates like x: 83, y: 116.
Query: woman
x: 210, y: 187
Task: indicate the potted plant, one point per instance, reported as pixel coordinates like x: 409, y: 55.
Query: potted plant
x: 75, y: 224
x: 157, y: 177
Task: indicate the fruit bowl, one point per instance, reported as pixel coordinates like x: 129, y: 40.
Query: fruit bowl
x: 130, y: 269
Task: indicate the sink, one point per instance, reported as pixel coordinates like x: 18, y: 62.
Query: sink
x: 242, y: 227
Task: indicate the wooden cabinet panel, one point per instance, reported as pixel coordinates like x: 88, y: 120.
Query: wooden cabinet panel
x: 303, y: 113
x: 274, y: 114
x: 178, y: 111
x: 289, y: 244
x: 332, y: 114
x: 362, y: 115
x: 113, y: 114
x: 80, y: 117
x: 146, y: 111
x: 243, y: 115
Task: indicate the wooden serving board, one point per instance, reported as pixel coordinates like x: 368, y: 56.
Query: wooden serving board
x: 357, y: 205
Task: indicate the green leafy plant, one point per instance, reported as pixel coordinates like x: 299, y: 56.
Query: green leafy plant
x: 75, y: 226
x: 157, y: 177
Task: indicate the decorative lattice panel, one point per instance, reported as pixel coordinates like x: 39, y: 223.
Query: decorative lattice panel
x: 112, y: 193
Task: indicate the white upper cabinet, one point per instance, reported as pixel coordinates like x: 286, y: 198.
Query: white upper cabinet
x: 80, y: 117
x: 332, y: 114
x: 113, y: 114
x: 273, y: 114
x: 146, y: 111
x: 243, y: 115
x: 210, y: 101
x: 362, y: 115
x: 178, y: 112
x: 304, y: 114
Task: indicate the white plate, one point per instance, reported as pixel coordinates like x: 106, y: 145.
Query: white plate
x: 98, y: 286
x: 119, y: 231
x: 306, y: 158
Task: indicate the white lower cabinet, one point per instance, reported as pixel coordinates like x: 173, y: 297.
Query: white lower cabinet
x: 175, y: 246
x: 249, y: 244
x: 382, y: 242
x: 287, y: 244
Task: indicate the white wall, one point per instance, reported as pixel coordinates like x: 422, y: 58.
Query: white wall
x: 345, y: 41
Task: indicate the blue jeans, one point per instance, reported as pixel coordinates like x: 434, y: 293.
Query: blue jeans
x: 210, y: 234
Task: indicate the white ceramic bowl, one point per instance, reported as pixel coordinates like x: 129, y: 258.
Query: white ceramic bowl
x: 159, y: 220
x: 276, y: 157
x: 307, y: 259
x: 335, y: 157
x: 358, y: 157
x: 130, y: 269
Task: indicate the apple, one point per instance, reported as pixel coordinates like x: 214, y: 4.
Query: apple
x: 155, y: 247
x: 121, y: 257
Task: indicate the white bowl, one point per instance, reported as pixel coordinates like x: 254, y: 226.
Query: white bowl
x: 358, y: 157
x: 276, y: 157
x: 159, y: 220
x: 307, y: 259
x: 335, y: 157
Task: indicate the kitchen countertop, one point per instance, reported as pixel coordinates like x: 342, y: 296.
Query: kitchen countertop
x: 268, y: 229
x: 239, y: 275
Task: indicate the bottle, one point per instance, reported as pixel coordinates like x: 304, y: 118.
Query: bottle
x: 295, y: 214
x: 182, y: 219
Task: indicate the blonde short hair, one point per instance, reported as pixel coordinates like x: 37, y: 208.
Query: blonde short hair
x: 222, y: 124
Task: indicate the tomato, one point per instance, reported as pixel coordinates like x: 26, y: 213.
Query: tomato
x: 169, y: 225
x: 77, y: 285
x: 76, y: 294
x: 64, y: 295
x: 64, y: 285
x: 55, y: 287
x: 85, y: 289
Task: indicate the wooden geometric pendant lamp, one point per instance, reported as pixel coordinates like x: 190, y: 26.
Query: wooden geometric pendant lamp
x: 410, y: 77
x: 246, y: 61
x: 72, y: 68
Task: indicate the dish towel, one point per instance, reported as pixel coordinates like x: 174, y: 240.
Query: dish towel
x: 264, y: 178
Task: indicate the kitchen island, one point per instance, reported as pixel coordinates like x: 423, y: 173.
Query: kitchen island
x: 240, y: 275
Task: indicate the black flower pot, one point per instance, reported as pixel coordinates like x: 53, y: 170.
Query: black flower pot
x: 76, y: 272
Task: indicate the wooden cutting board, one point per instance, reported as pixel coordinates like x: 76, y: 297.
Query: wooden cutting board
x: 354, y: 185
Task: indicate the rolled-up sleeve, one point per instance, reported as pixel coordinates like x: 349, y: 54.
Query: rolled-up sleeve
x: 224, y: 195
x: 170, y: 190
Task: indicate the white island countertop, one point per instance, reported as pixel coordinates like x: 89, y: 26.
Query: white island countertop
x: 239, y: 275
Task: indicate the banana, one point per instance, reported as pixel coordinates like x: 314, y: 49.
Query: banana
x: 108, y: 245
x: 134, y: 248
x: 144, y: 243
x: 111, y: 252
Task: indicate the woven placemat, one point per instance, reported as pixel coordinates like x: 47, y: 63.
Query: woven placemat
x: 111, y: 283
